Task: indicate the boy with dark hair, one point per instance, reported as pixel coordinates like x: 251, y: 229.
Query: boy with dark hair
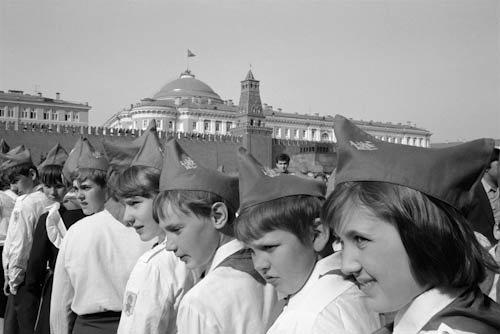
x: 196, y: 207
x: 31, y: 203
x: 282, y: 163
x: 279, y: 221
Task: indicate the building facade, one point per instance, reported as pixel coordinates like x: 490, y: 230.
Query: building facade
x: 190, y: 105
x: 26, y: 109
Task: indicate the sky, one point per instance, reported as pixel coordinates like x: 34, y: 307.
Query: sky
x: 433, y: 63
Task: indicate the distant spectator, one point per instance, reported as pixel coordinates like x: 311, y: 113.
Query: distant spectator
x: 282, y: 163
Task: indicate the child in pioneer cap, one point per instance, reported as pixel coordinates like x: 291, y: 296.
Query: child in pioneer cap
x: 95, y: 258
x: 159, y: 279
x: 279, y: 221
x: 196, y: 207
x: 398, y: 212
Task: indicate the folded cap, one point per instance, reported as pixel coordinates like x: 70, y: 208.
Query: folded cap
x: 181, y: 172
x: 120, y: 154
x: 5, y: 156
x: 4, y: 147
x: 150, y: 154
x: 91, y: 159
x: 259, y: 184
x: 16, y: 157
x: 70, y: 166
x: 56, y: 156
x: 447, y: 174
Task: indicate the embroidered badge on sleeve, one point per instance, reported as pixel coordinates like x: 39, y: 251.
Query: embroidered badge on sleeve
x: 130, y: 299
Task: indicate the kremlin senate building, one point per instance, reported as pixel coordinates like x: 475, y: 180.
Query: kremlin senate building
x: 189, y: 105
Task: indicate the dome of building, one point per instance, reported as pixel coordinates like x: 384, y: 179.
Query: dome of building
x: 187, y: 86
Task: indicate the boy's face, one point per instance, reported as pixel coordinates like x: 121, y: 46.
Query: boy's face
x: 375, y: 255
x: 283, y: 260
x: 139, y: 214
x: 22, y: 184
x: 282, y: 165
x: 91, y: 196
x: 193, y: 239
x: 55, y: 192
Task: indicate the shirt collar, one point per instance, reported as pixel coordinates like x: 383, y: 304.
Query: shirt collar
x: 224, y: 251
x: 322, y: 267
x: 487, y: 186
x: 413, y: 317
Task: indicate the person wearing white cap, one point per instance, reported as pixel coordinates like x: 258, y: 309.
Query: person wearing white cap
x: 95, y: 258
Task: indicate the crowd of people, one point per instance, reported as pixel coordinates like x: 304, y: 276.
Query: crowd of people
x: 142, y: 238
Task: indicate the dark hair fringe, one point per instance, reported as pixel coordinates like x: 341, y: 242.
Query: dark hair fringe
x: 11, y: 173
x: 97, y: 176
x: 137, y: 181
x: 295, y: 214
x: 51, y: 175
x: 197, y: 202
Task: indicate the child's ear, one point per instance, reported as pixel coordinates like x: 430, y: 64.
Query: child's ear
x: 33, y: 174
x: 219, y: 215
x: 321, y: 235
x: 496, y: 231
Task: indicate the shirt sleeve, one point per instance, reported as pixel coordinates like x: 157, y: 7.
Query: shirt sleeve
x: 192, y: 318
x: 21, y: 226
x: 61, y: 316
x: 347, y: 314
x: 145, y: 306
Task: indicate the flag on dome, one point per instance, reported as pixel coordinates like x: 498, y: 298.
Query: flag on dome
x: 190, y: 54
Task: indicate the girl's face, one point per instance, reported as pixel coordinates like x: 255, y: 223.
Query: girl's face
x: 374, y: 254
x: 139, y: 214
x: 55, y: 192
x: 91, y: 196
x: 283, y: 260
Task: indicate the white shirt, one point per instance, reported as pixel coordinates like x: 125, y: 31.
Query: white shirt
x: 414, y: 316
x: 327, y: 303
x: 494, y: 197
x: 7, y: 201
x: 493, y: 291
x: 154, y: 290
x: 94, y: 263
x: 22, y: 224
x: 227, y: 301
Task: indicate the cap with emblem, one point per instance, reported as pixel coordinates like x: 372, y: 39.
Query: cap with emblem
x: 150, y: 153
x: 56, y: 156
x: 121, y: 154
x: 70, y: 166
x: 181, y: 172
x: 448, y: 174
x: 259, y: 184
x: 91, y: 159
x: 16, y: 157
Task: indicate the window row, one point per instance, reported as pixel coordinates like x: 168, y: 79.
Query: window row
x: 297, y: 134
x: 48, y: 114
